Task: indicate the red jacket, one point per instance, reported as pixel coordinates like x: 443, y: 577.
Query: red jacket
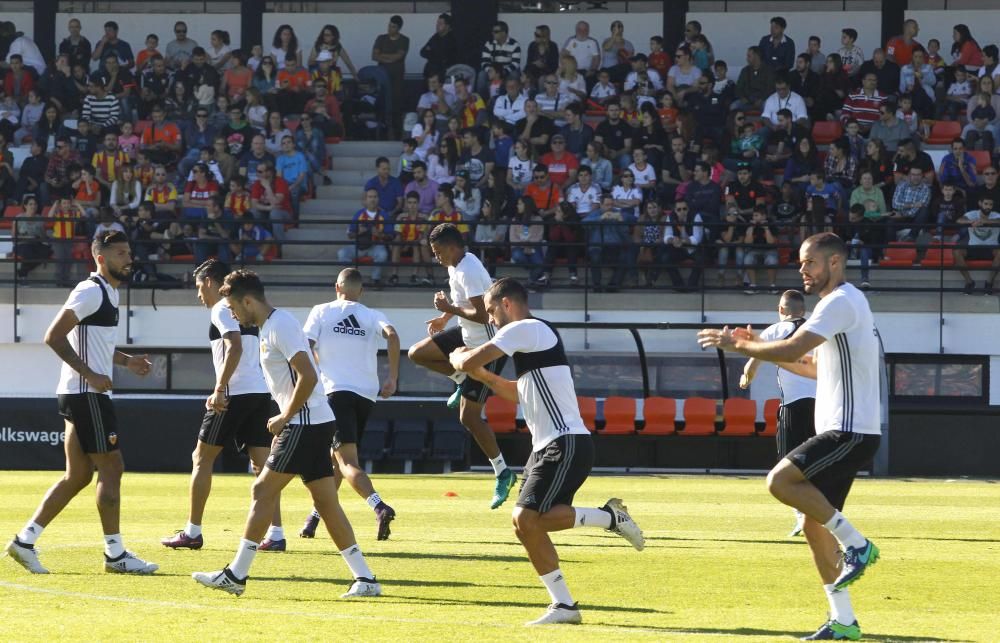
x: 27, y: 84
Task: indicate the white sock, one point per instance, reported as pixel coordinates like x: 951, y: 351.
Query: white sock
x: 240, y: 567
x: 498, y: 464
x: 555, y: 583
x: 192, y: 530
x: 113, y: 546
x: 275, y: 533
x: 356, y: 562
x: 30, y: 533
x: 840, y: 605
x: 315, y: 514
x: 373, y: 500
x: 844, y: 532
x: 588, y: 517
x: 458, y: 377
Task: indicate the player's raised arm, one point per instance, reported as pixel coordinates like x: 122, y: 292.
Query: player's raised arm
x: 392, y: 349
x: 785, y: 350
x: 474, y: 361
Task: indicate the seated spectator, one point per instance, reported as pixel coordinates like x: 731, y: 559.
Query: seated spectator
x: 804, y: 78
x: 956, y: 96
x: 253, y: 157
x: 869, y: 196
x: 180, y: 105
x: 31, y: 176
x: 100, y: 109
x: 128, y: 141
x: 274, y: 132
x: 161, y: 193
x: 543, y: 57
x: 604, y: 90
x: 198, y: 192
x: 983, y: 244
x: 57, y: 182
x: 918, y: 78
x: 200, y: 78
x: 616, y: 135
x: 254, y: 241
x: 864, y: 106
x: 644, y: 173
x: 468, y: 105
x: 369, y: 228
x: 237, y: 201
x: 270, y: 200
x: 108, y: 161
x: 979, y: 133
x: 851, y: 55
x: 946, y: 209
x: 325, y: 110
x: 600, y: 167
x: 755, y: 83
x: 214, y: 233
x: 570, y: 80
x: 841, y: 169
x: 110, y: 43
x: 911, y: 206
x: 526, y: 235
x: 833, y: 93
x: 909, y: 156
x: 292, y: 166
x: 802, y: 162
x: 30, y: 241
x: 889, y: 129
x: 119, y: 82
x: 650, y: 136
x: 476, y: 158
x: 704, y: 195
x: 784, y: 138
x: 831, y: 194
x: 551, y: 102
x: 126, y: 194
x: 576, y: 133
x: 491, y: 236
x: 237, y: 79
x: 683, y: 234
x: 443, y: 163
x: 67, y: 216
x: 627, y: 195
x: 965, y: 51
x: 660, y: 59
x: 389, y: 189
x: 561, y: 165
x: 784, y: 98
x: 467, y: 198
x: 760, y: 242
x: 106, y: 223
x: 75, y: 47
x: 607, y: 241
x: 218, y: 51
x: 407, y: 157
x: 18, y: 80
x: 990, y: 187
x: 682, y: 79
x: 646, y: 237
x: 425, y: 189
x: 411, y: 229
x: 959, y: 167
x: 293, y: 83
x: 642, y: 75
x: 446, y: 212
x: 154, y: 85
x: 425, y: 133
x: 676, y: 168
x: 744, y: 194
x: 584, y: 195
x: 225, y: 161
x: 747, y: 148
x: 707, y: 110
x: 206, y: 157
x: 161, y: 140
x: 855, y: 141
x: 778, y: 50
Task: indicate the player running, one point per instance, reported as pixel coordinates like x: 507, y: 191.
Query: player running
x: 83, y: 335
x: 238, y: 408
x: 469, y: 281
x: 344, y: 336
x: 816, y: 477
x: 798, y: 394
x: 562, y: 452
x: 303, y: 430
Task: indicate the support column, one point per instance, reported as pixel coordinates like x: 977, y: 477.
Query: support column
x: 893, y: 15
x: 473, y: 21
x: 45, y: 27
x: 252, y: 25
x: 674, y: 19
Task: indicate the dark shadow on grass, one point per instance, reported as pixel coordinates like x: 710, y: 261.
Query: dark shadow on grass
x: 752, y: 631
x: 750, y: 541
x: 393, y: 582
x: 530, y: 604
x: 956, y: 540
x: 610, y: 543
x: 493, y: 558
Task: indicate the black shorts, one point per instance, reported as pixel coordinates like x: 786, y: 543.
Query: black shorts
x: 351, y: 411
x: 832, y: 459
x: 980, y: 253
x: 472, y: 390
x: 303, y: 449
x: 796, y: 424
x: 245, y: 421
x: 553, y: 475
x: 93, y: 418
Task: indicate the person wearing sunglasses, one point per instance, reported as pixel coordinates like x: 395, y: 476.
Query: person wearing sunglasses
x: 501, y: 50
x: 181, y: 48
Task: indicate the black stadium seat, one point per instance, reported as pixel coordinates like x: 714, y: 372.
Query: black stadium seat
x: 408, y: 438
x: 373, y: 440
x: 449, y: 442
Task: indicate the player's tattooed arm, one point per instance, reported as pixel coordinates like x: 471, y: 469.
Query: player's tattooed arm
x: 56, y: 338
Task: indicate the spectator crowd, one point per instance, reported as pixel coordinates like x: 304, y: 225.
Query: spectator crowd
x: 633, y: 160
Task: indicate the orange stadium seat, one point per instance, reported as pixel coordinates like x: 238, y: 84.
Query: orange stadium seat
x: 899, y: 255
x: 740, y: 415
x: 501, y: 414
x: 699, y: 416
x: 659, y: 414
x: 826, y: 132
x: 983, y: 160
x: 943, y: 132
x: 619, y: 416
x: 938, y: 256
x: 771, y: 417
x: 588, y: 411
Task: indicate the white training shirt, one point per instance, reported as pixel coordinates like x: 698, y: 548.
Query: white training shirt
x: 95, y: 344
x: 281, y: 338
x: 547, y: 394
x: 247, y: 378
x: 469, y: 279
x: 793, y: 387
x: 849, y: 363
x: 347, y: 335
x: 983, y: 235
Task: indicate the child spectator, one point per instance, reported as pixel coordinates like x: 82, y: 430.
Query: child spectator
x: 31, y: 114
x: 669, y: 114
x: 818, y: 187
x: 862, y: 239
x: 106, y: 222
x: 237, y: 201
x: 293, y: 82
x: 761, y: 242
x: 143, y: 169
x: 946, y: 210
x: 934, y: 58
x: 145, y: 57
x: 87, y: 191
x: 254, y: 242
x: 646, y: 237
x: 128, y: 140
x: 852, y: 131
x: 658, y: 58
x: 409, y: 155
x: 908, y: 115
x: 957, y: 95
x: 851, y: 56
x: 502, y: 144
x: 603, y: 90
x: 411, y: 228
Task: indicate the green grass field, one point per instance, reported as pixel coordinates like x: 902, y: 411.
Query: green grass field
x: 717, y: 566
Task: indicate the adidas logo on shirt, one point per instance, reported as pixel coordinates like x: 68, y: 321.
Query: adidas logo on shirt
x: 349, y: 326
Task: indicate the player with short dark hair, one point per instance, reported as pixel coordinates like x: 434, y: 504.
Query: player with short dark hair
x: 83, y: 335
x: 562, y: 452
x: 237, y: 409
x: 303, y: 430
x: 469, y: 281
x: 344, y: 336
x: 816, y: 477
x: 798, y: 394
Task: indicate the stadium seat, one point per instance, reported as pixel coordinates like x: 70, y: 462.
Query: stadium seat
x: 501, y: 414
x: 408, y: 437
x: 943, y: 132
x: 826, y: 132
x: 8, y: 216
x: 740, y: 415
x: 938, y: 256
x: 619, y: 416
x: 449, y: 442
x: 983, y: 160
x: 699, y: 416
x: 771, y: 417
x: 588, y: 411
x: 659, y: 414
x: 141, y: 126
x: 371, y: 448
x: 900, y: 255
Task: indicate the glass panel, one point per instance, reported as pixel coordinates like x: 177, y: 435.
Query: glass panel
x: 156, y: 380
x: 938, y: 380
x: 192, y: 372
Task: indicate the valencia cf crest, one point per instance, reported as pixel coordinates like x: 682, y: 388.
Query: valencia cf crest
x: 112, y: 439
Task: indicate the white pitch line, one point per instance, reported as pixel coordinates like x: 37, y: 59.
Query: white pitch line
x: 331, y: 616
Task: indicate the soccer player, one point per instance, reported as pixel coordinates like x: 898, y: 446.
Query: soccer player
x: 344, y: 335
x: 798, y: 393
x: 238, y: 408
x: 83, y: 335
x: 303, y: 430
x: 562, y: 452
x: 469, y: 281
x: 816, y: 477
